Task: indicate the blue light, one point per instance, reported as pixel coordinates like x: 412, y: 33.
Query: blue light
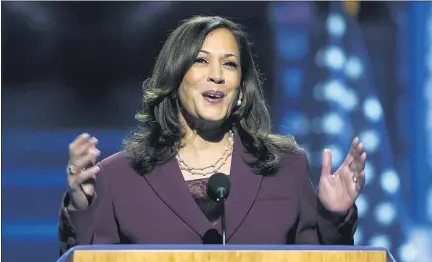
x: 295, y: 123
x: 293, y: 82
x: 292, y: 44
x: 336, y: 25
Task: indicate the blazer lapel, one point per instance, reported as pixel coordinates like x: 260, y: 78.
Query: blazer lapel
x: 244, y: 188
x: 168, y: 183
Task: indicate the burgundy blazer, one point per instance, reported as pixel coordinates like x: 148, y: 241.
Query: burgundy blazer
x: 158, y: 208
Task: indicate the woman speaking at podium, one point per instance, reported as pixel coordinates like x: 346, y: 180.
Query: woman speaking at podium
x: 204, y: 113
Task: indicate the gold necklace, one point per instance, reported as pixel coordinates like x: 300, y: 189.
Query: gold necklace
x: 214, y: 168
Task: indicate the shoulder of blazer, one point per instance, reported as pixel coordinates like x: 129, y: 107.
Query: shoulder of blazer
x: 293, y: 165
x: 114, y: 169
x: 119, y: 160
x: 115, y: 159
x: 291, y: 159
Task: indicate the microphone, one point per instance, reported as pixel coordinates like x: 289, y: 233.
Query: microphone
x: 218, y: 189
x: 212, y: 237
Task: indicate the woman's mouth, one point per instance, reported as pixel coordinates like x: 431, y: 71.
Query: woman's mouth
x: 213, y: 97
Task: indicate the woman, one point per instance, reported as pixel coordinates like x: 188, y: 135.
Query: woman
x: 204, y: 113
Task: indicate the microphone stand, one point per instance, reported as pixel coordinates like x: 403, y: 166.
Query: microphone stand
x: 223, y: 221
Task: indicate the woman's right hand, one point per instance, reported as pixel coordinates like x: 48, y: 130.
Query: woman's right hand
x: 81, y: 170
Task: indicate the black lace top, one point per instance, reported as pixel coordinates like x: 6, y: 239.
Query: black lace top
x: 210, y: 208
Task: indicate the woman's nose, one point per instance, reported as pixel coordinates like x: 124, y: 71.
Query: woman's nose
x: 215, y: 75
x: 216, y: 79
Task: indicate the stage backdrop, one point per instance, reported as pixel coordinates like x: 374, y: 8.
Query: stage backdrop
x: 73, y: 67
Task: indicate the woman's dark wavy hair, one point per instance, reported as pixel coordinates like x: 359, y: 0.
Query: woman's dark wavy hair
x: 158, y: 135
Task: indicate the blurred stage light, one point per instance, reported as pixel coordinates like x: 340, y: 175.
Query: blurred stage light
x: 336, y: 25
x: 333, y: 90
x: 362, y: 205
x: 370, y: 140
x: 385, y: 213
x: 390, y: 181
x: 333, y: 124
x: 337, y: 156
x: 370, y: 173
x: 353, y: 68
x: 331, y: 57
x: 408, y: 253
x: 372, y: 109
x: 349, y: 101
x: 380, y: 241
x: 418, y: 247
x: 296, y: 123
x: 346, y: 105
x: 358, y: 236
x: 336, y: 91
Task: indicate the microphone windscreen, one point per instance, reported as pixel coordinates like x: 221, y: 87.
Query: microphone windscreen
x: 215, y: 183
x: 212, y: 236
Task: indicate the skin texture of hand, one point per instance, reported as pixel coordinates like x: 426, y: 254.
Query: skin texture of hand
x: 337, y: 192
x: 82, y: 153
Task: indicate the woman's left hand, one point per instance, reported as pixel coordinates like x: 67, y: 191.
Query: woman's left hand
x: 337, y: 192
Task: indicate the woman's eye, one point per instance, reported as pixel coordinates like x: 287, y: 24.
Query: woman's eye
x: 231, y: 64
x: 200, y: 61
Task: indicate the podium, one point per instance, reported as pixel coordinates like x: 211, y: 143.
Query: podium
x: 228, y: 253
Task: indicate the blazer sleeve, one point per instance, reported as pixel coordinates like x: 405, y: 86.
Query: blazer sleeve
x: 317, y: 225
x: 95, y: 225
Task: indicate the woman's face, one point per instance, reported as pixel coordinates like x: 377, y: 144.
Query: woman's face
x: 209, y: 87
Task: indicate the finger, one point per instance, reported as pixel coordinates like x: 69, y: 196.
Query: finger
x: 86, y: 175
x: 355, y: 152
x: 88, y: 159
x: 363, y: 157
x: 362, y: 161
x: 358, y: 164
x: 78, y: 141
x: 359, y: 150
x: 84, y: 147
x: 85, y: 160
x: 352, y: 151
x: 355, y: 141
x: 326, y: 163
x: 94, y: 140
x: 88, y: 188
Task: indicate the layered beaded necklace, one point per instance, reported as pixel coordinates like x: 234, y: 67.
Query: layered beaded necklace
x: 211, y: 169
